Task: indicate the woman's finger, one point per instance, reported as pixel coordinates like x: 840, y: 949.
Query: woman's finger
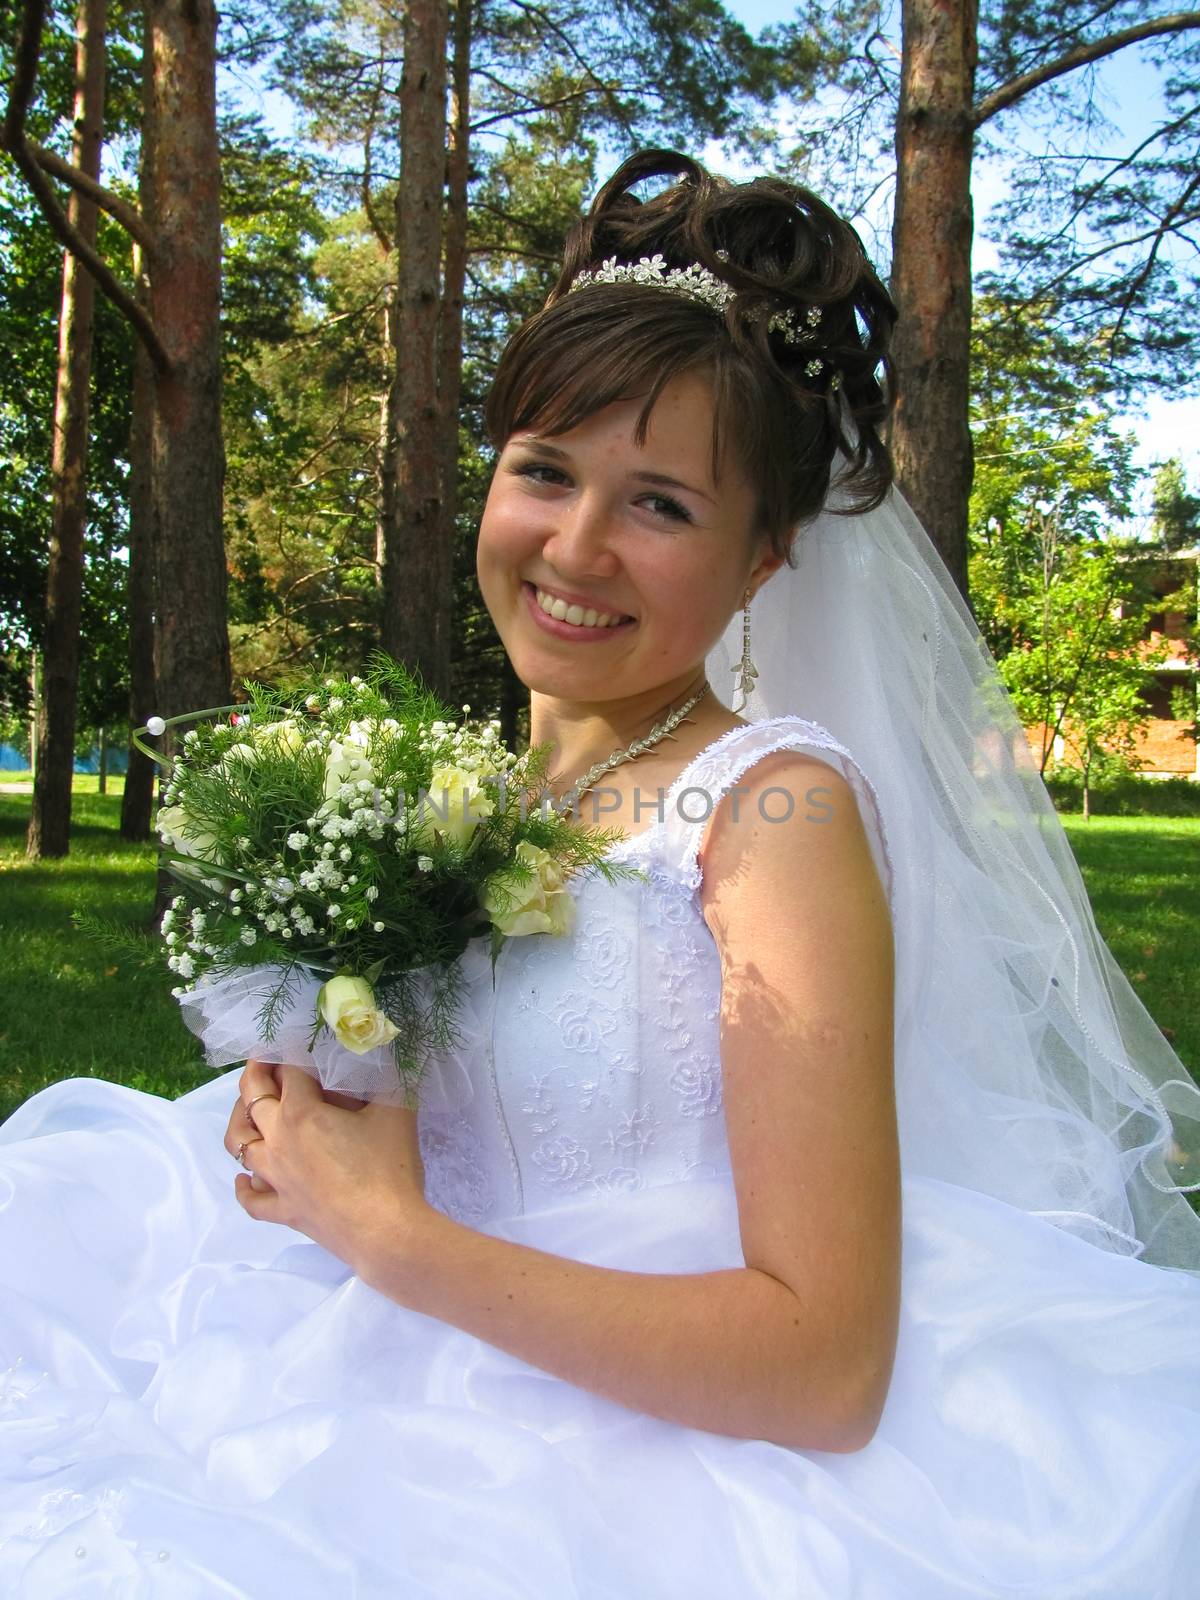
x: 258, y: 1077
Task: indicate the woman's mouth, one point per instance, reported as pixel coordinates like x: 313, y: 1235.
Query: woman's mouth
x: 578, y: 623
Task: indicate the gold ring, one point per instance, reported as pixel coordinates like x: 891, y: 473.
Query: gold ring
x: 241, y: 1150
x: 246, y: 1104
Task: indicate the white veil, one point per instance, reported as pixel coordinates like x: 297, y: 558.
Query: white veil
x: 1026, y: 1066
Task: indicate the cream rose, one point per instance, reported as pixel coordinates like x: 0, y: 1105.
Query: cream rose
x: 460, y: 795
x: 541, y: 905
x: 345, y: 763
x: 347, y: 1006
x: 283, y: 736
x: 184, y: 834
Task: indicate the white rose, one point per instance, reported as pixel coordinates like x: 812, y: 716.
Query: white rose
x: 541, y: 905
x: 463, y: 799
x: 345, y: 763
x: 283, y: 736
x: 184, y: 834
x: 347, y: 1006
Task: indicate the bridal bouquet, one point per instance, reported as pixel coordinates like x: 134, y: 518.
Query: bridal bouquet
x: 336, y: 848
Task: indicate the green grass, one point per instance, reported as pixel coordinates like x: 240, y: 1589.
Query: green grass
x: 72, y: 1011
x: 1142, y: 875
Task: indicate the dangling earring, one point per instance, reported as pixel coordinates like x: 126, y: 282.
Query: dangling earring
x: 745, y: 672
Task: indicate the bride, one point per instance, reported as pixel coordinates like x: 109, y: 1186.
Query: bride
x: 810, y: 1221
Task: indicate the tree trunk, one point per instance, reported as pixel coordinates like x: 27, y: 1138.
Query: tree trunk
x: 35, y: 697
x: 50, y: 820
x: 187, y: 458
x: 931, y: 270
x: 137, y: 803
x: 386, y: 463
x: 417, y: 589
x: 458, y: 171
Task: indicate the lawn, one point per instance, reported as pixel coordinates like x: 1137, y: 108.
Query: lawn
x: 71, y: 1010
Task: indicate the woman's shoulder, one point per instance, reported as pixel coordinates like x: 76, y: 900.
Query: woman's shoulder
x: 784, y: 788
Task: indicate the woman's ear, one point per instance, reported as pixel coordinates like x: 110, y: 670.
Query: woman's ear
x: 762, y: 571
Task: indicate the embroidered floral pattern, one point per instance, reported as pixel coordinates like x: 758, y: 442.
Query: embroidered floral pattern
x: 698, y: 1084
x: 563, y: 1162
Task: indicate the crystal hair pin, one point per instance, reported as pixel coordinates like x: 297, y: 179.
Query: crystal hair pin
x: 700, y: 284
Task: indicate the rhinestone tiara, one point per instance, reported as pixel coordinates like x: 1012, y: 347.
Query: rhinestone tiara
x: 699, y: 283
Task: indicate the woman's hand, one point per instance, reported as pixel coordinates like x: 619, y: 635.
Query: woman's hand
x: 346, y: 1172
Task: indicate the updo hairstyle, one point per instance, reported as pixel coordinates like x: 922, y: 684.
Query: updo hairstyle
x: 785, y: 250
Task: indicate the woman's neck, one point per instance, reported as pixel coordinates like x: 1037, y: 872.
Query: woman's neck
x: 581, y: 733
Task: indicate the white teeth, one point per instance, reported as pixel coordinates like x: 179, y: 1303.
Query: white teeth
x: 575, y: 614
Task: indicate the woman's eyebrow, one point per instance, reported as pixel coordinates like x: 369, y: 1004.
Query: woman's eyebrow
x: 662, y: 479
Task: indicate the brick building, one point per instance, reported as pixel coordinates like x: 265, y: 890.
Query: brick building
x: 1164, y: 750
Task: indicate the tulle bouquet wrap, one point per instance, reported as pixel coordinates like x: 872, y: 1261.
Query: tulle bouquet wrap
x: 338, y: 847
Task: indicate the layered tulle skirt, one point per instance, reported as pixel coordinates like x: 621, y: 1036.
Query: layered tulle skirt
x: 196, y: 1404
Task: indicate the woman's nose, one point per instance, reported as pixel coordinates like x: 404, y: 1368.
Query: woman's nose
x: 580, y: 537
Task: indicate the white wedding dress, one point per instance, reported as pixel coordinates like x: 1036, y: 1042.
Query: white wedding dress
x: 197, y: 1404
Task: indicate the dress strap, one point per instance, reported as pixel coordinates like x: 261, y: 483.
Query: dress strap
x: 694, y: 797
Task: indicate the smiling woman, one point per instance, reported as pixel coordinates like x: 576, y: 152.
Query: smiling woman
x: 808, y: 1221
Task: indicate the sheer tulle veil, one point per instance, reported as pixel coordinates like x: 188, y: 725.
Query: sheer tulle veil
x: 1026, y: 1066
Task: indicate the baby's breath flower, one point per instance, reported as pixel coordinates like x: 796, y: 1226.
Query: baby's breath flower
x: 372, y: 893
x: 297, y: 841
x: 248, y: 936
x: 425, y: 863
x: 378, y: 926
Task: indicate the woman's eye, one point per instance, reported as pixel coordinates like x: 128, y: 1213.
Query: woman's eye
x: 668, y: 510
x: 674, y: 511
x: 530, y: 467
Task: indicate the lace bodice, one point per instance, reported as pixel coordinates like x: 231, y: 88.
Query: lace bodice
x: 594, y: 1062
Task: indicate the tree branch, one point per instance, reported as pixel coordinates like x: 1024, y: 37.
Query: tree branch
x: 18, y: 146
x: 120, y: 210
x: 1138, y: 282
x: 377, y: 227
x: 1080, y: 56
x: 615, y: 108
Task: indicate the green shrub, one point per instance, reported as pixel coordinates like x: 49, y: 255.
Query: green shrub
x: 1129, y: 795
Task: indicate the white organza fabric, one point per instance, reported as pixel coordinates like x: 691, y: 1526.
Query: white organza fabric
x: 1026, y: 1066
x: 195, y: 1404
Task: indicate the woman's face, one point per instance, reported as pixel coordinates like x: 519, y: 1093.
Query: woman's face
x: 587, y: 517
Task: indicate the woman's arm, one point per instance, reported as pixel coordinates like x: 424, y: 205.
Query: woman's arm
x: 797, y: 1346
x: 730, y: 1351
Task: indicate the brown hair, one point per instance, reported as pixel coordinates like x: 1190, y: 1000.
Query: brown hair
x: 785, y: 249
